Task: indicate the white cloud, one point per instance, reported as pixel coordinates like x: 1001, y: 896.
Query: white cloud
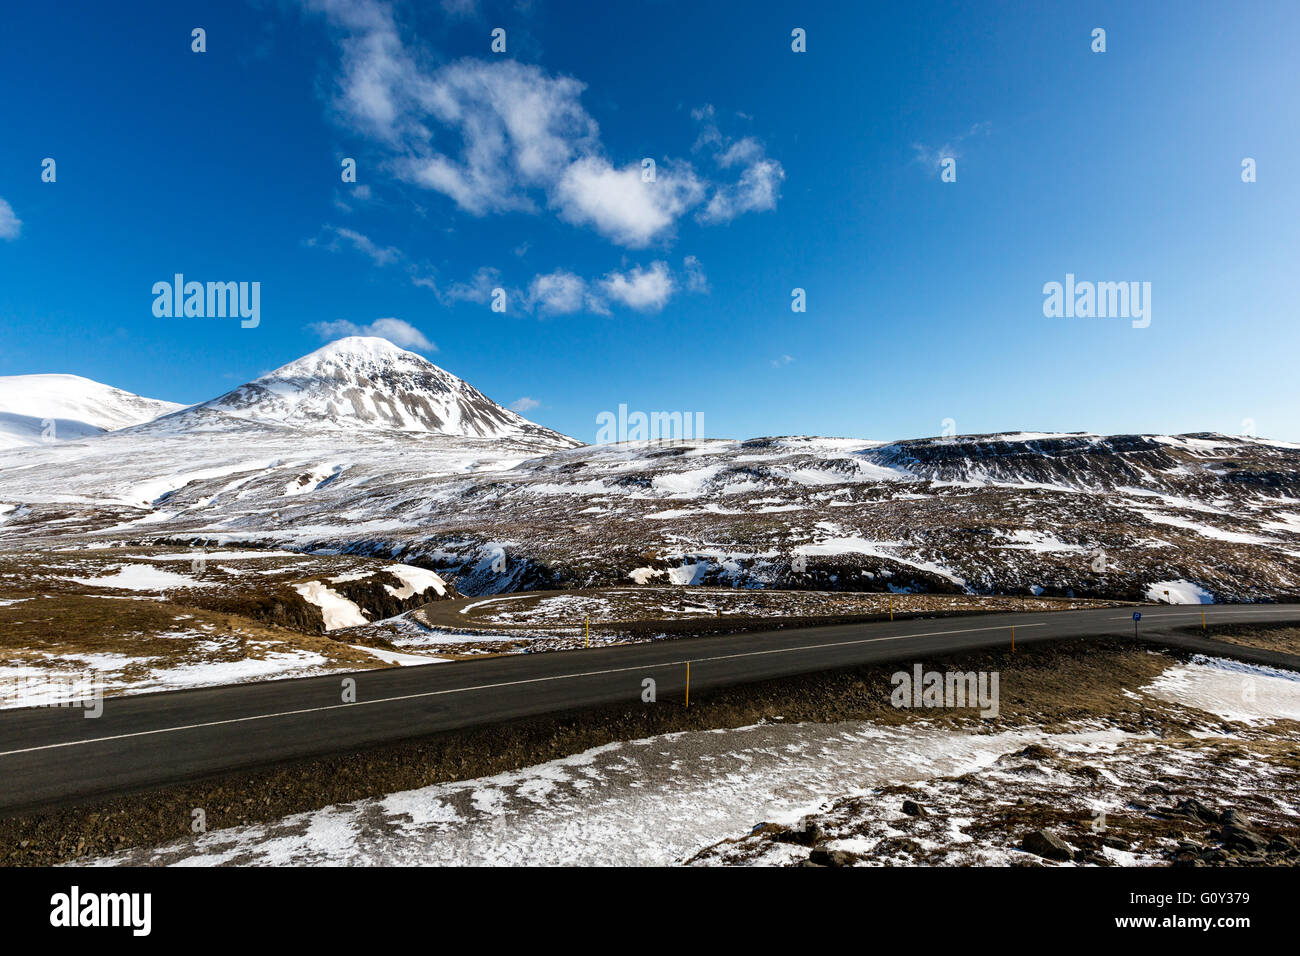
x: 742, y: 152
x: 373, y: 91
x: 500, y: 136
x: 519, y: 129
x: 401, y: 333
x: 757, y: 191
x: 782, y: 361
x: 620, y: 204
x: 561, y: 292
x: 524, y: 404
x: 557, y: 293
x: 759, y: 185
x: 396, y: 331
x: 10, y: 224
x: 643, y: 289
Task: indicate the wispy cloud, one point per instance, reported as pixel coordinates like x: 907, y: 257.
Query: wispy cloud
x: 561, y: 292
x: 10, y: 224
x: 759, y: 185
x: 397, y: 331
x: 696, y: 280
x: 524, y: 404
x: 932, y: 157
x: 477, y: 289
x: 782, y: 361
x: 343, y: 199
x: 336, y: 236
x: 462, y: 9
x: 525, y: 141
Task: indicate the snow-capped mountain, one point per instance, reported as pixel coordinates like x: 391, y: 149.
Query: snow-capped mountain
x: 365, y: 383
x: 49, y: 408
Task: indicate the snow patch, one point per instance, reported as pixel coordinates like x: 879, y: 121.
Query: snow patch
x: 1180, y: 592
x: 141, y: 577
x: 337, y: 610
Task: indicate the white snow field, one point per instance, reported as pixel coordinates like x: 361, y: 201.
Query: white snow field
x: 48, y: 408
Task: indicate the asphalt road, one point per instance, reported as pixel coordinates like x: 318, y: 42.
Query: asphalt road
x: 57, y: 755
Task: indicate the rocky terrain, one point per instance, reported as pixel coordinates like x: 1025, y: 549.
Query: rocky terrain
x: 1197, y: 766
x: 123, y: 620
x: 369, y: 450
x: 1018, y: 811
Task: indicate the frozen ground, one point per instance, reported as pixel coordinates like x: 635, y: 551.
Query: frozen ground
x: 1204, y: 518
x: 78, y: 623
x: 203, y: 659
x: 663, y: 800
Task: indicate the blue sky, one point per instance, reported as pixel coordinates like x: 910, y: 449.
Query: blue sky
x: 774, y: 170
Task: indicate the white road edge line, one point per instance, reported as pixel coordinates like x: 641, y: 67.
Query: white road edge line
x: 513, y: 683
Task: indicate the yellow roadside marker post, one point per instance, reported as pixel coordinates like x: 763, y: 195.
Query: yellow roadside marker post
x: 688, y: 683
x: 589, y: 630
x: 891, y: 607
x: 1013, y: 638
x: 1202, y: 619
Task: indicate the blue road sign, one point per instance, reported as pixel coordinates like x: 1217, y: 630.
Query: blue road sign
x: 1137, y: 615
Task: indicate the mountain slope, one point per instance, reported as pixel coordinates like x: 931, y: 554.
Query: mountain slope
x: 366, y: 383
x: 1127, y: 516
x: 41, y: 408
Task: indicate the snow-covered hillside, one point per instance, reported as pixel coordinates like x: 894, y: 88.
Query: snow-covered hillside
x: 365, y: 448
x: 1084, y: 515
x: 365, y: 383
x: 49, y: 408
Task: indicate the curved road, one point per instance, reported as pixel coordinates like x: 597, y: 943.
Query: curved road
x: 56, y: 755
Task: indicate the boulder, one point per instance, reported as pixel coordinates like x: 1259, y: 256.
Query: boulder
x: 1035, y: 752
x: 804, y: 833
x: 1237, y: 837
x: 1196, y: 810
x: 1233, y: 815
x: 824, y: 857
x: 1047, y: 845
